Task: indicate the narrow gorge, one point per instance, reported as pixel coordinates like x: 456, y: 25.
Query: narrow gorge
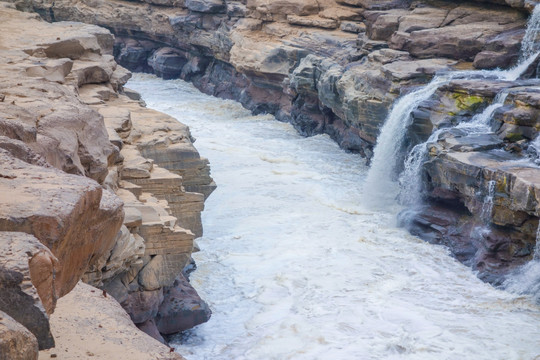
x: 351, y: 137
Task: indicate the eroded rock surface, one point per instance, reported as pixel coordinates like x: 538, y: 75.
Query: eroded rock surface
x: 92, y: 184
x: 337, y: 67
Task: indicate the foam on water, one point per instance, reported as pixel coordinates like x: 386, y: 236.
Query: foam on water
x: 294, y: 266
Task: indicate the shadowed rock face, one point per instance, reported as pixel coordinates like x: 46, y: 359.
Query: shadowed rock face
x: 16, y: 342
x: 28, y: 284
x: 181, y: 309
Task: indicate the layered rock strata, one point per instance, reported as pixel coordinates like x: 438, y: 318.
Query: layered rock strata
x: 337, y: 67
x: 91, y: 185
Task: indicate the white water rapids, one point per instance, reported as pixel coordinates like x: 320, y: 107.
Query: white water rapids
x: 294, y: 266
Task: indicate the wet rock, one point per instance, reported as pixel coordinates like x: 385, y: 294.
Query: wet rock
x: 167, y: 62
x: 181, y: 309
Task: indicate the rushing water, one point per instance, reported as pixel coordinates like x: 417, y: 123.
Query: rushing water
x: 295, y: 266
x: 380, y: 186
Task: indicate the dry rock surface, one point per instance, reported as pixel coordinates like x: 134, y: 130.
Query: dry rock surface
x: 101, y: 329
x: 93, y: 186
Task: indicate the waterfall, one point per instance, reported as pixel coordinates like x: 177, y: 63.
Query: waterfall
x: 487, y: 206
x: 526, y: 279
x: 480, y: 122
x: 530, y: 43
x: 380, y: 187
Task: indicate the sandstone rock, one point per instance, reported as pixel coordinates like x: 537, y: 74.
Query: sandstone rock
x: 501, y: 51
x: 162, y: 270
x: 93, y: 69
x: 89, y: 323
x: 181, y: 309
x: 149, y: 327
x: 16, y: 342
x: 27, y: 282
x: 406, y: 70
x: 285, y: 7
x: 143, y: 305
x: 52, y: 70
x: 377, y: 4
x: 134, y: 166
x: 312, y: 21
x: 77, y: 222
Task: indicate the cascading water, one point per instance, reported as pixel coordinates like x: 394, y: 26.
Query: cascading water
x: 295, y: 266
x: 487, y: 205
x: 530, y: 43
x: 380, y: 187
x: 526, y: 279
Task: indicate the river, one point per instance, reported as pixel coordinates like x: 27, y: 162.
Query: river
x: 295, y: 266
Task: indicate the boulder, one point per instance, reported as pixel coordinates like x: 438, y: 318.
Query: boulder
x: 143, y: 305
x: 27, y: 281
x: 167, y: 62
x: 16, y: 342
x: 182, y: 308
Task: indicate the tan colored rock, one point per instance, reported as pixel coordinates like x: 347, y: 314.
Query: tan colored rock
x: 162, y: 270
x: 78, y: 221
x: 313, y: 21
x: 27, y: 283
x: 16, y: 342
x: 87, y: 323
x: 134, y: 166
x: 285, y: 7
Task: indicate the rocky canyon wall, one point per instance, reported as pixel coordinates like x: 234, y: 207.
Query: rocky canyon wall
x: 337, y: 67
x: 93, y: 186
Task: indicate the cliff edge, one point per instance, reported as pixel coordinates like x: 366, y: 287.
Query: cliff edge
x: 93, y: 186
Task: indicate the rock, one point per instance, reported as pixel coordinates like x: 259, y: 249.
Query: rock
x: 149, y: 327
x: 406, y: 70
x: 206, y: 6
x: 27, y: 283
x: 78, y: 222
x: 52, y: 70
x: 86, y: 323
x: 143, y: 305
x: 16, y: 342
x: 312, y: 21
x: 162, y: 270
x: 501, y: 51
x: 352, y: 27
x: 181, y: 309
x: 167, y: 62
x: 285, y: 7
x: 377, y: 4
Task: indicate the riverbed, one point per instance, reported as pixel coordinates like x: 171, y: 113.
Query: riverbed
x: 296, y: 265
